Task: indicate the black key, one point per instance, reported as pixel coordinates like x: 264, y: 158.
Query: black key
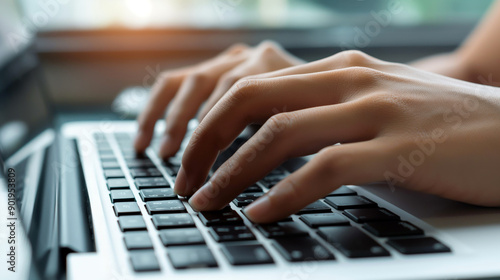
x: 172, y: 170
x: 128, y: 223
x: 144, y: 260
x: 283, y: 229
x: 137, y: 240
x: 139, y: 163
x: 155, y: 182
x: 287, y: 219
x: 126, y: 208
x: 418, y: 245
x: 245, y: 199
x: 392, y: 228
x: 181, y: 236
x: 253, y: 189
x: 157, y: 194
x: 172, y: 166
x: 324, y: 219
x: 120, y: 183
x: 270, y: 181
x: 347, y: 202
x: 172, y: 220
x: 231, y: 233
x: 297, y: 249
x: 145, y: 172
x: 315, y: 207
x: 110, y: 164
x: 121, y: 195
x: 352, y: 242
x: 342, y: 191
x: 370, y: 215
x: 223, y: 217
x: 246, y: 254
x: 278, y: 171
x: 191, y: 257
x: 165, y: 206
x: 113, y: 173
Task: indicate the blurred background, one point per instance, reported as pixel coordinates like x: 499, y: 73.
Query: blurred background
x: 90, y: 50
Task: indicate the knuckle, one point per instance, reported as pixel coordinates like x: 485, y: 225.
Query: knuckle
x: 165, y: 80
x: 196, y: 137
x: 355, y: 57
x: 280, y: 123
x: 331, y: 162
x: 238, y: 48
x: 364, y: 76
x: 198, y: 77
x: 243, y: 89
x: 268, y: 47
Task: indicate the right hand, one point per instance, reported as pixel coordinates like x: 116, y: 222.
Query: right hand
x: 189, y: 87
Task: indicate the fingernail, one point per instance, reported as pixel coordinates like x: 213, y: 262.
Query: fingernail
x: 258, y: 209
x: 199, y: 200
x: 180, y: 182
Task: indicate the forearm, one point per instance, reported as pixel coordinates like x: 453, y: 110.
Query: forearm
x: 477, y: 59
x: 447, y: 64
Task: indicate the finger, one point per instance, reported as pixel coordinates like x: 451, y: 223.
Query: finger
x: 284, y: 136
x: 351, y: 58
x: 164, y: 90
x: 355, y: 163
x: 267, y: 57
x: 254, y: 101
x: 223, y: 85
x: 195, y: 88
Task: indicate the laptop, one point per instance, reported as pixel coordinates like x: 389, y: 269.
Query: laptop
x: 79, y: 203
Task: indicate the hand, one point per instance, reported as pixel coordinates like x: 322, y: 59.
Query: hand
x: 187, y: 88
x: 413, y: 128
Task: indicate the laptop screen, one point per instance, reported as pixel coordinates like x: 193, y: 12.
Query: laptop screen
x: 23, y: 110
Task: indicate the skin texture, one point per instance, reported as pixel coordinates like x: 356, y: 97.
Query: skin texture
x: 396, y: 123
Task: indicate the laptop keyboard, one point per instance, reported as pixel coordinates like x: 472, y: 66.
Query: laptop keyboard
x: 342, y: 223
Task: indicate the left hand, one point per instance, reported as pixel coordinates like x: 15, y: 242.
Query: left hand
x: 416, y: 129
